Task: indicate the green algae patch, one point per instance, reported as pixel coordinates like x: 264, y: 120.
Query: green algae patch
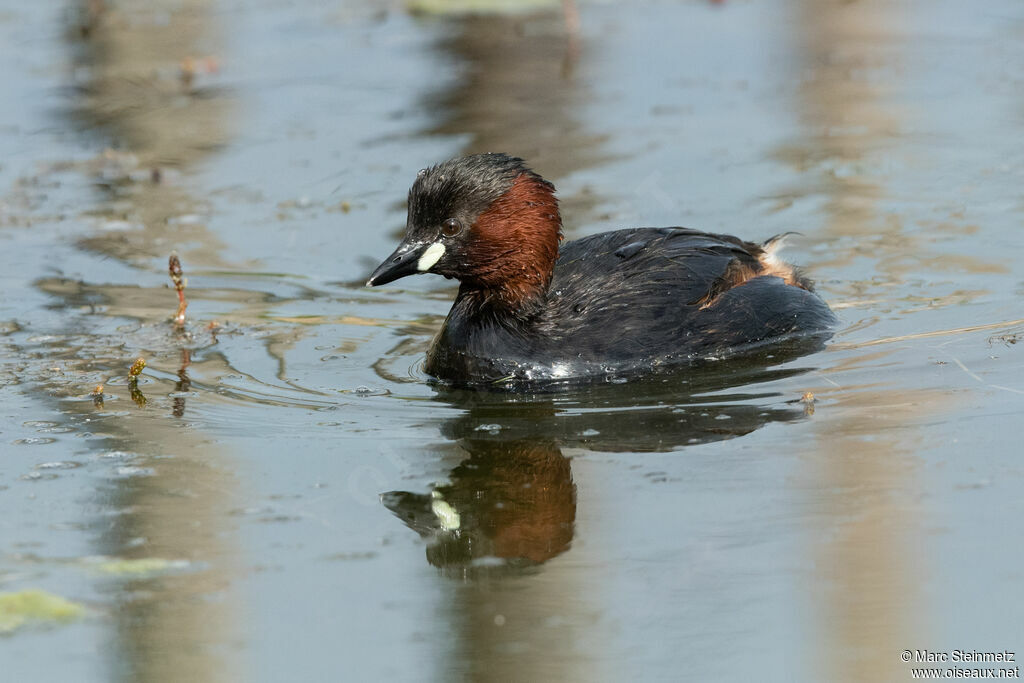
x: 142, y: 567
x: 35, y: 607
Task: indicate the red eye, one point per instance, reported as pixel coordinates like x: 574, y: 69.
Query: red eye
x: 451, y: 227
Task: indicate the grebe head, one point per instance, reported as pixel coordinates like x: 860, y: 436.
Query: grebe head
x: 486, y: 220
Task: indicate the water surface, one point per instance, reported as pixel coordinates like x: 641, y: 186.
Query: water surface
x: 288, y: 480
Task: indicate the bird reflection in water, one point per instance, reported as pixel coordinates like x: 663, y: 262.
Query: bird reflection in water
x: 511, y: 503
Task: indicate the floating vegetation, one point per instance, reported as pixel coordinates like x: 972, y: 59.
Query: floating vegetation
x: 35, y: 607
x: 97, y: 396
x: 137, y: 367
x: 133, y: 380
x: 1007, y: 339
x: 146, y: 566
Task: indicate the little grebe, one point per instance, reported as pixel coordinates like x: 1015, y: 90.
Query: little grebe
x: 622, y: 302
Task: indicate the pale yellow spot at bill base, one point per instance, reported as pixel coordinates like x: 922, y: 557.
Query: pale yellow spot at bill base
x: 430, y: 256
